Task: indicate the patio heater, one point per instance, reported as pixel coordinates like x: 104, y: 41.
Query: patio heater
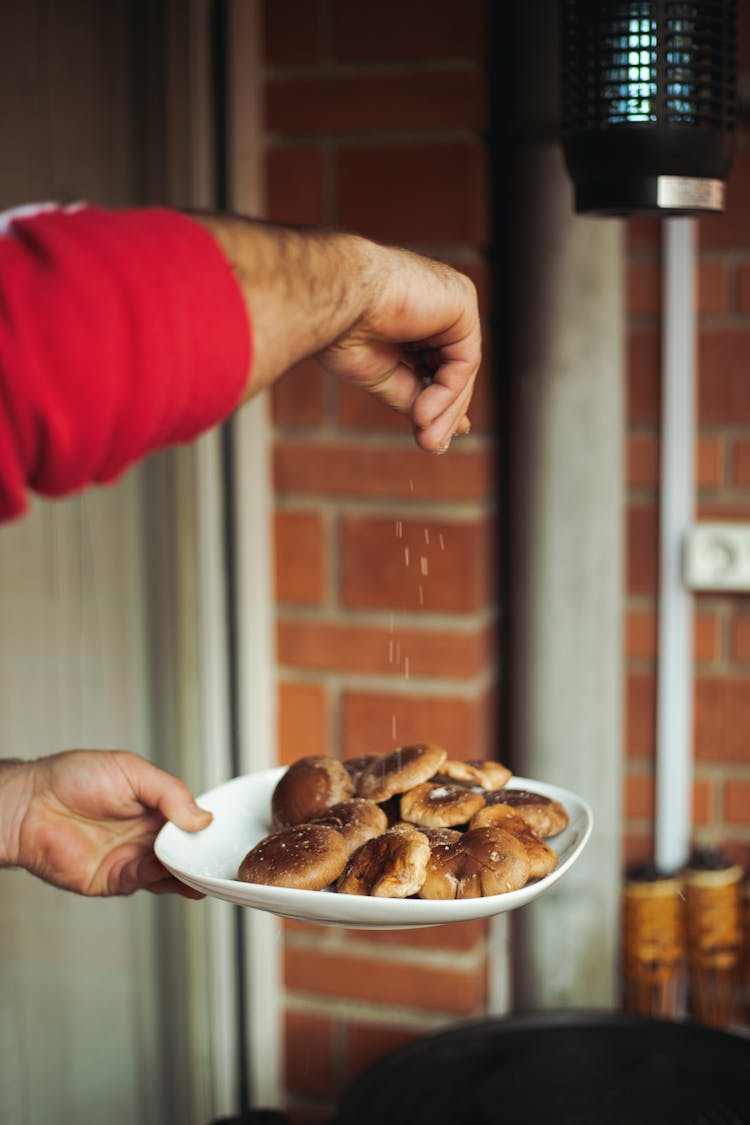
x: 648, y: 104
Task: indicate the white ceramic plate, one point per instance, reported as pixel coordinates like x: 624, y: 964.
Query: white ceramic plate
x: 208, y: 861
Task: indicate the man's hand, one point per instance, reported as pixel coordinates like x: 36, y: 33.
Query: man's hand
x: 86, y: 821
x: 416, y: 345
x: 403, y: 327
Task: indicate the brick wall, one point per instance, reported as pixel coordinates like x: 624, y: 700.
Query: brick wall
x: 721, y: 796
x: 374, y: 122
x: 386, y: 597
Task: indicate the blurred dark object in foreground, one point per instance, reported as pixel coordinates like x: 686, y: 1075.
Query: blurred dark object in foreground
x: 583, y: 1068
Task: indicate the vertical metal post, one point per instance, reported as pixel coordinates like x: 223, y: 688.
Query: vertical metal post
x: 674, y: 719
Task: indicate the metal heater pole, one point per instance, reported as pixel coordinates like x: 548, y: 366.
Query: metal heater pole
x: 674, y: 719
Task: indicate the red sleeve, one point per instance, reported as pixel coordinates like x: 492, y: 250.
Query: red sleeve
x: 120, y: 332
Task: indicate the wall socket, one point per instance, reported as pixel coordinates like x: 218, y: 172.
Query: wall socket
x: 716, y: 556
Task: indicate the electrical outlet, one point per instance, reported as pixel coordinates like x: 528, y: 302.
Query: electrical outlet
x: 717, y: 556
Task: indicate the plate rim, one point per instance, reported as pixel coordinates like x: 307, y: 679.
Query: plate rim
x: 300, y: 905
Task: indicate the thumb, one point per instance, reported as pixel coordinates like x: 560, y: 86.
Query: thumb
x: 157, y: 789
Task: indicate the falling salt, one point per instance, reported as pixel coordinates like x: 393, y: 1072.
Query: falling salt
x: 399, y: 529
x: 406, y: 556
x: 406, y: 667
x: 442, y: 542
x: 390, y: 651
x: 393, y: 727
x: 421, y: 594
x: 411, y: 485
x: 423, y: 564
x: 427, y: 535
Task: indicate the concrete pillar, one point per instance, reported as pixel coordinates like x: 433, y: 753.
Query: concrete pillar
x: 566, y: 563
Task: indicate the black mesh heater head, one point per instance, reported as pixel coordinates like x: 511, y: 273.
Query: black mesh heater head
x: 648, y: 104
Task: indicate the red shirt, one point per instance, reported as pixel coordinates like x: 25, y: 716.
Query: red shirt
x: 120, y: 332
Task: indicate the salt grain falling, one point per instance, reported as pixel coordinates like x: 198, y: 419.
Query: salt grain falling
x: 421, y: 594
x: 427, y: 535
x: 411, y: 485
x: 393, y: 727
x: 390, y: 651
x: 406, y: 556
x: 423, y: 566
x: 399, y: 529
x: 406, y: 668
x: 442, y: 542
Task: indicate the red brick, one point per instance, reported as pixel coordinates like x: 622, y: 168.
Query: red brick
x: 643, y: 468
x: 706, y: 636
x: 741, y: 462
x: 644, y: 288
x: 293, y: 31
x: 366, y: 103
x: 455, y: 556
x: 722, y: 719
x: 638, y: 848
x: 641, y: 632
x: 703, y: 792
x: 461, y: 936
x: 713, y: 287
x: 421, y: 29
x: 739, y: 644
x: 643, y: 375
x: 299, y: 398
x: 732, y: 228
x: 299, y: 558
x: 712, y: 509
x: 642, y: 549
x: 743, y: 288
x: 309, y: 1058
x: 723, y: 384
x: 296, y: 186
x: 303, y: 721
x: 640, y: 715
x: 709, y: 457
x: 366, y: 1043
x: 737, y: 801
x: 642, y: 461
x: 331, y: 646
x: 639, y: 796
x: 377, y: 473
x: 406, y: 985
x: 643, y: 234
x: 433, y: 194
x: 373, y: 723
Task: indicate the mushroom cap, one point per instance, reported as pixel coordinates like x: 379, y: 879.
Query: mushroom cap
x: 309, y: 786
x: 389, y: 866
x: 402, y: 769
x: 542, y: 859
x: 485, y: 861
x: 356, y: 766
x: 487, y: 775
x: 303, y: 857
x: 546, y: 816
x: 357, y: 819
x: 438, y: 836
x: 440, y: 806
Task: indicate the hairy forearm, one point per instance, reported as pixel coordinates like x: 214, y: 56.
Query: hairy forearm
x: 303, y: 288
x: 15, y: 793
